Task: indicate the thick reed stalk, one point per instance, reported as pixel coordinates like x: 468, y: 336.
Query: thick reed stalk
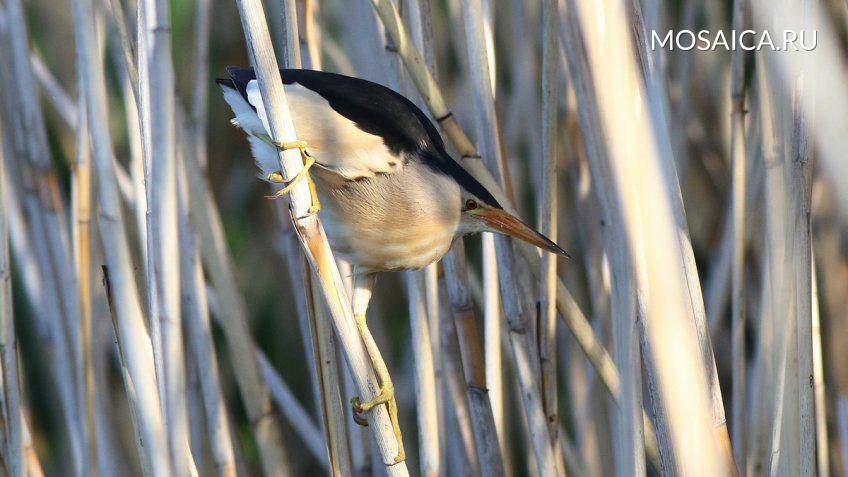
x: 216, y: 258
x: 157, y: 85
x: 521, y: 329
x: 614, y: 240
x: 309, y: 228
x: 737, y: 201
x: 470, y: 345
x: 842, y: 425
x: 648, y: 219
x: 822, y: 444
x: 548, y: 215
x: 317, y: 333
x: 81, y: 201
x: 327, y: 368
x: 425, y: 381
x: 628, y: 444
x: 194, y: 308
x: 461, y: 418
x: 46, y: 206
x: 801, y: 193
x: 659, y: 104
x: 200, y: 81
x: 10, y: 393
x: 129, y: 325
x: 820, y: 97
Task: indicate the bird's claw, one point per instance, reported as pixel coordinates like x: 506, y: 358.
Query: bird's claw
x: 385, y: 396
x: 277, y: 177
x: 286, y: 145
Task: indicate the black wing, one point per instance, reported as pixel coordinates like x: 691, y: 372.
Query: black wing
x: 376, y: 110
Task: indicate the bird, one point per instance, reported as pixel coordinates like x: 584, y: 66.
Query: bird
x: 391, y: 196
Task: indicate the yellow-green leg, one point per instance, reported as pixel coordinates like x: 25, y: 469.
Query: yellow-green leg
x: 361, y: 295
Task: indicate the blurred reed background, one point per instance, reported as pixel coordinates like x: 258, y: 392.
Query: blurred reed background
x: 158, y: 316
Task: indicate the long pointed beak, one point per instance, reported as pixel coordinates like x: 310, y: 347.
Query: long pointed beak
x: 507, y: 224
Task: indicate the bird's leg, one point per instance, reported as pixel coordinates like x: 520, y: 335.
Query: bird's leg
x: 362, y: 287
x: 308, y: 161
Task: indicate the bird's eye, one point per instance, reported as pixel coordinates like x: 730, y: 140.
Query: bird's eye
x: 470, y: 204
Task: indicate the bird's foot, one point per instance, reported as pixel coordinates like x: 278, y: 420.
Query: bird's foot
x: 286, y: 145
x: 308, y: 161
x: 385, y: 396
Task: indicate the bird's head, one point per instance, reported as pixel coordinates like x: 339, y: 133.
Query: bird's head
x: 479, y: 216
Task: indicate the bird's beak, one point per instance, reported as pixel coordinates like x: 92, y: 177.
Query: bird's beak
x: 508, y: 224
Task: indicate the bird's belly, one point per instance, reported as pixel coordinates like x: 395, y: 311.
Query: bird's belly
x: 379, y: 249
x: 391, y: 222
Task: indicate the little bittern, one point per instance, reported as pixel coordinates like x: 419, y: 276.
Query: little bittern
x: 391, y: 197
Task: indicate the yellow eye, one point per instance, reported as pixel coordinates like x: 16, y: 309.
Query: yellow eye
x: 470, y: 204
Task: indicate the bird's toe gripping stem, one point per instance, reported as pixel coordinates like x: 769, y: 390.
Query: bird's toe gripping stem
x: 385, y: 396
x: 308, y: 161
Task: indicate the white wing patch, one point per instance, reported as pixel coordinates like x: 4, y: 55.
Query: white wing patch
x: 265, y: 155
x: 335, y: 141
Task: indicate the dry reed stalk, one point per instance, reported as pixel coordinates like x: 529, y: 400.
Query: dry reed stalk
x: 768, y: 364
x: 548, y: 215
x: 136, y: 354
x: 821, y: 99
x: 614, y: 240
x: 620, y: 100
x: 328, y: 371
x: 464, y: 330
x: 591, y: 430
x: 521, y: 329
x: 460, y: 417
x: 658, y: 102
x: 430, y: 276
x: 628, y: 442
x: 309, y: 228
x: 842, y: 425
x: 492, y: 328
x: 200, y: 81
x: 822, y: 445
x: 157, y: 87
x: 738, y: 186
x: 425, y: 380
x: 46, y: 209
x: 31, y: 250
x: 143, y: 93
x: 491, y: 288
x: 194, y: 308
x: 309, y: 35
x: 801, y: 194
x: 81, y: 201
x: 317, y: 333
x: 288, y: 247
x: 216, y: 258
x: 10, y: 394
x: 788, y: 238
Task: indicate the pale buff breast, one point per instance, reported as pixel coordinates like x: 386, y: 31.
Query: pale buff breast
x: 402, y: 220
